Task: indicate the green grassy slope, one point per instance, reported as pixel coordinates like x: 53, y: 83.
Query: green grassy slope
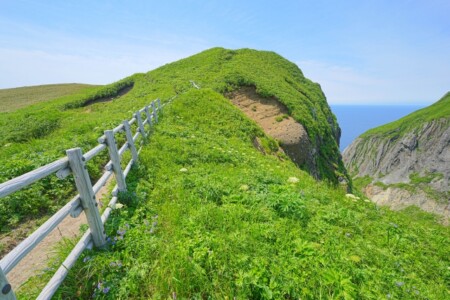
x: 41, y: 133
x: 15, y: 98
x: 210, y: 217
x: 440, y: 109
x: 225, y: 70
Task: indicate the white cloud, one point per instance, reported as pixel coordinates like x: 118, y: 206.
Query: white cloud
x: 342, y: 84
x: 42, y: 56
x: 84, y: 61
x: 390, y: 83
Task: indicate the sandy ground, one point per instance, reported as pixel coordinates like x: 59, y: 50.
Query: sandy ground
x: 37, y: 260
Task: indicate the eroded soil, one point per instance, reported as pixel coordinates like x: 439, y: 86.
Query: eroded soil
x: 273, y: 118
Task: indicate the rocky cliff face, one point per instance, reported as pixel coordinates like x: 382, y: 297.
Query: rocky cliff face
x: 405, y: 167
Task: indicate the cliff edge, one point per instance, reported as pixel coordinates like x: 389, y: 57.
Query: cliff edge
x: 406, y: 162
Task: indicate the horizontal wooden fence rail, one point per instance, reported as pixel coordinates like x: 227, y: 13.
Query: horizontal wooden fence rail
x: 75, y: 163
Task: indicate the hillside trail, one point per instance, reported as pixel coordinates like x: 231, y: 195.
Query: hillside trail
x: 38, y: 259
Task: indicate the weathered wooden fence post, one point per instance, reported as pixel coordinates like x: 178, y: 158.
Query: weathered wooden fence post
x: 6, y: 292
x: 115, y: 160
x: 130, y: 141
x: 155, y: 115
x: 84, y: 186
x: 138, y: 117
x: 149, y: 116
x: 159, y: 104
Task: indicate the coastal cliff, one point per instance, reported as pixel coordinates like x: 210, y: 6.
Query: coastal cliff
x: 406, y: 162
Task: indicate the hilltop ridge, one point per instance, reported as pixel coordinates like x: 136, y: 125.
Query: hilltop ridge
x: 271, y: 75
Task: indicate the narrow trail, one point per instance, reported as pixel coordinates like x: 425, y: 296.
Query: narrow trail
x: 37, y: 260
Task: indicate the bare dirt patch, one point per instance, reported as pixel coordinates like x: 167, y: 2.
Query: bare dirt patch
x: 274, y: 119
x: 119, y: 94
x: 37, y: 260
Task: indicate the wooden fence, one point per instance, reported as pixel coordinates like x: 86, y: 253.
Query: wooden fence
x: 75, y: 163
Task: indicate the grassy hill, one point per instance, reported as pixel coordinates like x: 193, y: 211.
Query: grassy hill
x: 440, y: 109
x: 226, y: 70
x: 208, y: 216
x: 16, y: 98
x: 41, y: 133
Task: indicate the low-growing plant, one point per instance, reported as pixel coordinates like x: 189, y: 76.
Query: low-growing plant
x: 281, y: 117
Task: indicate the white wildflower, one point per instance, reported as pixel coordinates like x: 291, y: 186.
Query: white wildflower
x: 293, y: 180
x: 244, y: 187
x: 118, y: 206
x: 351, y: 196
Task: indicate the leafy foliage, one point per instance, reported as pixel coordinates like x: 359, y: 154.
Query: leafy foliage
x: 273, y: 76
x: 218, y: 219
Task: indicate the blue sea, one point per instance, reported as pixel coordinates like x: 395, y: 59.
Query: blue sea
x: 357, y: 119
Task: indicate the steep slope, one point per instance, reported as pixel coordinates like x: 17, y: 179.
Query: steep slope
x: 273, y: 118
x: 407, y: 162
x: 273, y: 77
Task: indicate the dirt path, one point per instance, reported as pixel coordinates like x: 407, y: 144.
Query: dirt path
x: 37, y: 260
x: 273, y: 118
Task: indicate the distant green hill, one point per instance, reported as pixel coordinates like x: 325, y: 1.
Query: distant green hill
x: 15, y: 98
x: 440, y: 109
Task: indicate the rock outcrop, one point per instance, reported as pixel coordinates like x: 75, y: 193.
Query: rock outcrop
x: 408, y: 161
x: 399, y: 198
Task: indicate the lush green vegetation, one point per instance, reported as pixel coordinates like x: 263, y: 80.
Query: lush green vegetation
x: 427, y: 178
x: 440, y: 109
x: 39, y: 134
x: 208, y: 216
x: 361, y: 182
x: 225, y: 70
x: 15, y: 98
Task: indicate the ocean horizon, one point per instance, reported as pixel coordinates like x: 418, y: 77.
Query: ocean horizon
x: 354, y: 120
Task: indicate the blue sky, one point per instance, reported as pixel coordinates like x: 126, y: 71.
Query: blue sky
x: 365, y: 52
